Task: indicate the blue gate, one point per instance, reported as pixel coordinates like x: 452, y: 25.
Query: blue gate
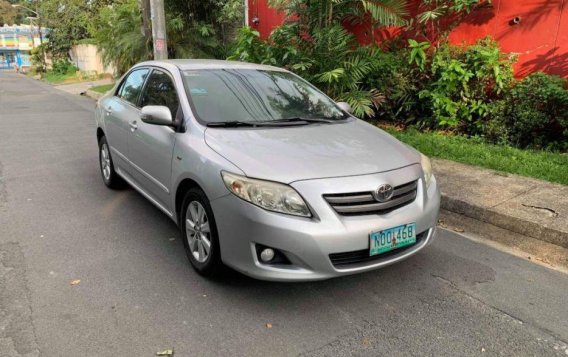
x: 11, y: 58
x: 7, y: 59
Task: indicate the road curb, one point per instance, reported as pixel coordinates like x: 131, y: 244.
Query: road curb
x: 498, y: 219
x: 93, y: 95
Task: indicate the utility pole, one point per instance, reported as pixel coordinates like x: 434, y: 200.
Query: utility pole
x: 41, y: 46
x: 159, y: 29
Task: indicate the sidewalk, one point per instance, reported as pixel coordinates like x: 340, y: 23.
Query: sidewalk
x: 82, y: 87
x: 531, y: 207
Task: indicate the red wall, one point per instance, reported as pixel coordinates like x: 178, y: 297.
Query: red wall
x: 267, y: 16
x: 540, y: 39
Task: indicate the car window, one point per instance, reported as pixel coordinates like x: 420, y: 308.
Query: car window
x: 251, y: 95
x: 132, y: 86
x: 160, y: 90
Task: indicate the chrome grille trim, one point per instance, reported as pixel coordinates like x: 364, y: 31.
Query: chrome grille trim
x: 399, y: 190
x: 358, y: 198
x: 359, y: 203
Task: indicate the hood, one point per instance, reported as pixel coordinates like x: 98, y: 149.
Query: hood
x: 288, y: 154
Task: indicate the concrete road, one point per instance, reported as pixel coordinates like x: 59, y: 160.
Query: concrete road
x: 138, y: 295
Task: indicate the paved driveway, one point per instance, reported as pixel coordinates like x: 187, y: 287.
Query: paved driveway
x: 138, y: 295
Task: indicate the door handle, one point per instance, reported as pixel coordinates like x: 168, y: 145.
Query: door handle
x: 133, y: 126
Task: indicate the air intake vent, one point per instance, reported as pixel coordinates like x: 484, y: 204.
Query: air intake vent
x: 362, y: 257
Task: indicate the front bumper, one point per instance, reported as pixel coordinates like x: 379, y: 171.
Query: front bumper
x: 308, y: 242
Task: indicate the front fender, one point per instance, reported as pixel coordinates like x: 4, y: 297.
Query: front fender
x: 194, y: 160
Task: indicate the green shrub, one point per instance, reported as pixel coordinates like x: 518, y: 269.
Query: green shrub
x: 248, y: 46
x: 399, y: 84
x: 465, y: 83
x: 63, y: 67
x: 533, y: 114
x: 328, y: 57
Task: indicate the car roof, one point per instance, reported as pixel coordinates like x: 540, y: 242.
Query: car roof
x: 191, y: 64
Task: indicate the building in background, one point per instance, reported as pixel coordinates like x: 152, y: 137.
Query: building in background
x: 536, y: 31
x: 16, y: 43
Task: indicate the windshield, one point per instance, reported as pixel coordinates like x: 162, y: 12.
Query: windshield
x: 253, y: 96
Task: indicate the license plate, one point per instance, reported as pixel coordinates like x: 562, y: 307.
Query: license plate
x: 392, y: 238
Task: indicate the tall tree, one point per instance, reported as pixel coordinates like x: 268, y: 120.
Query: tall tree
x: 69, y: 22
x: 195, y: 29
x: 8, y: 14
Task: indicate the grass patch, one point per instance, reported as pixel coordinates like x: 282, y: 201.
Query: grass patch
x: 58, y: 78
x: 72, y: 75
x: 103, y: 88
x: 544, y: 165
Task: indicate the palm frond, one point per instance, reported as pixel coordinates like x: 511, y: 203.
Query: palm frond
x: 387, y: 12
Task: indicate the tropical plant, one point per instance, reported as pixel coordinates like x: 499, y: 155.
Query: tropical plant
x: 399, y: 83
x: 465, y: 83
x: 437, y: 18
x: 116, y: 30
x: 202, y: 28
x: 534, y: 114
x: 323, y: 13
x: 248, y: 46
x: 418, y: 53
x: 313, y: 43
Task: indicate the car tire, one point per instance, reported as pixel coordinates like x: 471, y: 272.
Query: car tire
x: 110, y: 177
x: 199, y: 233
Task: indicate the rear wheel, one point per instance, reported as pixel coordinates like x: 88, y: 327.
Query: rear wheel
x: 110, y: 177
x: 199, y: 233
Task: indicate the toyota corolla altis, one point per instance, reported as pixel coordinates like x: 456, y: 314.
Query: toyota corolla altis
x: 264, y: 173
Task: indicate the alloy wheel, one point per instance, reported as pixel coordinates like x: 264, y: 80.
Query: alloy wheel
x: 198, y: 232
x: 105, y: 161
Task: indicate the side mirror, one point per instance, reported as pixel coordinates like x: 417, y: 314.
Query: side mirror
x: 344, y: 106
x: 157, y: 115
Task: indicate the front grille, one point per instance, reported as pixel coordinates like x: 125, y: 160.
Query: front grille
x: 361, y: 257
x: 360, y: 203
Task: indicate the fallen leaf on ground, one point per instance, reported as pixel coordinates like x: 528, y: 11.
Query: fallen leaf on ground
x: 268, y: 325
x: 165, y: 353
x: 458, y: 229
x: 75, y: 282
x: 366, y: 341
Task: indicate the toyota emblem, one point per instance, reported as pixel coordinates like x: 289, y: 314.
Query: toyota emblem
x: 384, y: 192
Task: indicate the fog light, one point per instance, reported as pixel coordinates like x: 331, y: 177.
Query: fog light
x: 267, y: 255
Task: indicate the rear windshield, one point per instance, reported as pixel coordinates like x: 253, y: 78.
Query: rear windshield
x: 249, y: 95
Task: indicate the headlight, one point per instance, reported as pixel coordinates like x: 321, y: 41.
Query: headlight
x: 427, y: 168
x: 269, y: 195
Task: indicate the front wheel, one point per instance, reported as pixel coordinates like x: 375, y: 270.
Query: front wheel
x: 199, y: 233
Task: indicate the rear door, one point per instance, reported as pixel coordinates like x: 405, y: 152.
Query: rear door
x: 120, y: 110
x: 151, y: 146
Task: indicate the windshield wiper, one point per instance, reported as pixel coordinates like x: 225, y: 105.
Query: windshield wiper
x: 301, y: 119
x: 277, y: 122
x: 230, y: 124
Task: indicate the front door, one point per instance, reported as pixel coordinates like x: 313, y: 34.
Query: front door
x: 120, y: 110
x: 151, y: 146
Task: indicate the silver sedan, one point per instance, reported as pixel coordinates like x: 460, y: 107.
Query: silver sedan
x: 264, y: 173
